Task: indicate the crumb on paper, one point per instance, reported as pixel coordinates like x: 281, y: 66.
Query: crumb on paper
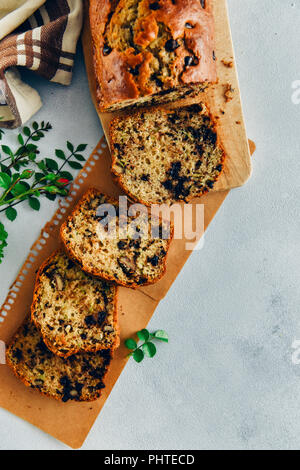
x: 228, y: 93
x: 238, y: 122
x: 228, y: 63
x: 222, y: 111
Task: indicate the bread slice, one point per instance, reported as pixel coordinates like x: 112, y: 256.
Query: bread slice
x: 150, y: 52
x: 166, y: 156
x: 78, y: 378
x: 129, y: 261
x: 73, y: 311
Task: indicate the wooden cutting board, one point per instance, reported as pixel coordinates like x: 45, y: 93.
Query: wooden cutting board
x: 229, y: 114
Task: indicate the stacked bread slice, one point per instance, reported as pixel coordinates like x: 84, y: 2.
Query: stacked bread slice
x: 73, y: 311
x: 145, y: 52
x: 148, y: 54
x: 78, y: 378
x: 130, y: 259
x: 64, y: 348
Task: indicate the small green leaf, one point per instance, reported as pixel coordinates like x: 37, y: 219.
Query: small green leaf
x: 31, y: 147
x: 81, y: 148
x: 34, y: 203
x: 35, y: 125
x: 25, y: 185
x: 130, y: 343
x: 19, y: 189
x: 7, y: 150
x: 75, y: 165
x: 3, y: 233
x: 60, y: 154
x: 51, y: 164
x: 3, y: 243
x: 20, y: 139
x: 26, y: 131
x: 70, y: 146
x: 39, y: 176
x: 161, y: 335
x: 32, y: 156
x: 11, y: 213
x: 5, y: 169
x: 143, y: 335
x: 42, y: 166
x: 51, y: 197
x: 149, y: 349
x: 138, y: 355
x: 5, y: 180
x: 15, y: 176
x: 79, y: 157
x: 20, y: 151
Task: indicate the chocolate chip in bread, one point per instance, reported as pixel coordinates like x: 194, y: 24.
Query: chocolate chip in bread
x: 166, y: 156
x: 73, y: 311
x: 130, y: 261
x: 151, y: 51
x: 78, y: 378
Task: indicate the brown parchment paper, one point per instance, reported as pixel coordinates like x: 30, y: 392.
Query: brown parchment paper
x: 71, y: 422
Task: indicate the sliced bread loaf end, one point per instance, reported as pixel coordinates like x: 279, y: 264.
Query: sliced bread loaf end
x: 78, y: 378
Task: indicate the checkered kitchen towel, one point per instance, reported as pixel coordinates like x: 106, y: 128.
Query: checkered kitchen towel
x: 45, y: 42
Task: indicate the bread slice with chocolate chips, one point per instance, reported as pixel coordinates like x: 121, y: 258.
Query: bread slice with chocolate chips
x: 151, y: 51
x: 166, y: 156
x: 73, y: 311
x: 78, y: 378
x: 132, y: 258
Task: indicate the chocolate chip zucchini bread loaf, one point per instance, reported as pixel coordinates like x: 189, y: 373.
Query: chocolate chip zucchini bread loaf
x: 124, y: 258
x: 78, y: 378
x: 165, y: 156
x: 73, y: 311
x: 151, y: 51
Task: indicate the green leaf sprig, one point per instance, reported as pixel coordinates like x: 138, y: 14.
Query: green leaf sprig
x: 25, y: 176
x: 3, y: 238
x: 147, y: 348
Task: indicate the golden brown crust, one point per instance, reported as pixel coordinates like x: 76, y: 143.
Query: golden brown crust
x: 93, y: 192
x: 27, y: 383
x: 185, y: 20
x: 48, y: 395
x: 49, y: 344
x: 118, y: 177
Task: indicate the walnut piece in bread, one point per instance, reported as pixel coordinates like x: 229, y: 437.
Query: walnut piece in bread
x: 151, y: 51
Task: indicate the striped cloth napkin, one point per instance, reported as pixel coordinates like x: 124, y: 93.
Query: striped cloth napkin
x: 45, y: 41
